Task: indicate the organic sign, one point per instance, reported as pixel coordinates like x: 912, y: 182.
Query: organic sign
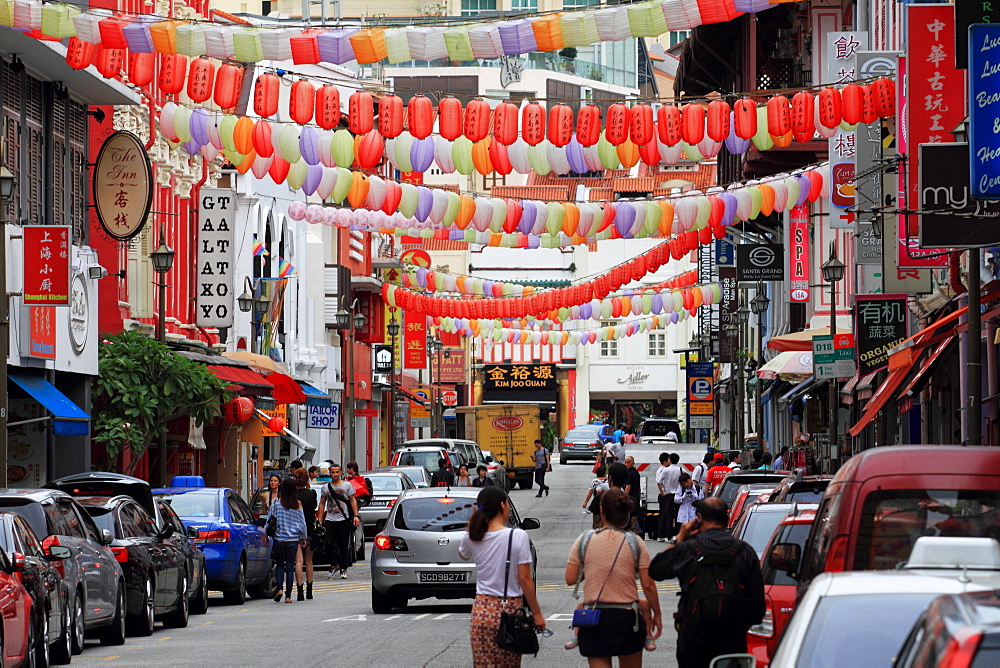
x: 123, y: 185
x: 879, y: 325
x: 46, y: 265
x: 215, y: 258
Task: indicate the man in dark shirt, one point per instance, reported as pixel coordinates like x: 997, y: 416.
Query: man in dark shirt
x: 633, y: 484
x: 444, y: 476
x: 708, y: 532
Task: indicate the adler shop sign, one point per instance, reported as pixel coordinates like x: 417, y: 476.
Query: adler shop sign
x: 215, y: 258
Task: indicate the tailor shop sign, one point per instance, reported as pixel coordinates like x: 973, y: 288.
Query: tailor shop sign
x: 520, y: 382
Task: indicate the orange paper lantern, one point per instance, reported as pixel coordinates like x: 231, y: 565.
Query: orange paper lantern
x: 261, y: 139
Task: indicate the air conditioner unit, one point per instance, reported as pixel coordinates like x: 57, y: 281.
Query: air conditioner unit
x: 381, y: 379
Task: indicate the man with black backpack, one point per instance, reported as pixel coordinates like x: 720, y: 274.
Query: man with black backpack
x: 722, y: 591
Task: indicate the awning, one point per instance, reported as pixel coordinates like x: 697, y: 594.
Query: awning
x: 801, y: 341
x: 802, y: 388
x: 925, y: 367
x: 315, y: 397
x: 857, y: 388
x: 307, y: 448
x: 247, y: 382
x: 70, y: 419
x: 789, y: 365
x: 415, y: 398
x: 286, y: 389
x: 880, y: 399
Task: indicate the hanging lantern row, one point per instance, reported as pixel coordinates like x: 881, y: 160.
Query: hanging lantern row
x: 578, y: 337
x: 476, y: 39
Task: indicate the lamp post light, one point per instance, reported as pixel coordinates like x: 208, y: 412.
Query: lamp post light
x: 833, y: 273
x: 743, y: 318
x: 732, y: 335
x: 434, y: 347
x: 759, y: 305
x: 350, y: 321
x: 162, y: 259
x: 393, y: 330
x: 252, y: 300
x: 7, y: 186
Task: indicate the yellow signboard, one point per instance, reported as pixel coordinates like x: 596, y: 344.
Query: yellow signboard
x: 281, y: 411
x: 699, y: 408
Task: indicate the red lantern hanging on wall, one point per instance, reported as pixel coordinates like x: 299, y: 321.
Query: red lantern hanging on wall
x: 505, y: 123
x: 420, y: 116
x: 640, y: 124
x: 173, y: 67
x: 616, y: 126
x: 228, y: 84
x: 717, y: 122
x: 803, y: 113
x: 884, y: 97
x: 588, y: 124
x: 533, y: 123
x: 327, y: 107
x: 141, y: 68
x: 390, y: 116
x: 201, y: 76
x: 360, y: 112
x: 560, y: 124
x: 265, y: 95
x: 476, y: 124
x: 302, y: 102
x: 80, y: 54
x: 853, y: 98
x: 778, y: 116
x: 668, y: 124
x: 450, y: 118
x: 238, y: 410
x: 692, y: 123
x: 745, y: 118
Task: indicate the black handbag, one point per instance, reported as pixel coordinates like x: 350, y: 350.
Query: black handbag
x: 517, y: 629
x: 272, y: 526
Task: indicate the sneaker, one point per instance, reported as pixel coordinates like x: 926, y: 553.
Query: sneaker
x: 343, y: 575
x: 572, y: 644
x: 650, y: 645
x: 330, y: 575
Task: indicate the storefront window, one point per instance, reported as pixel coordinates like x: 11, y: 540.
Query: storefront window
x: 658, y: 344
x: 609, y: 348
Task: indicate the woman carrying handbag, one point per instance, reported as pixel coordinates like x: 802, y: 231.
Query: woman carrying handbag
x: 497, y: 550
x: 613, y: 621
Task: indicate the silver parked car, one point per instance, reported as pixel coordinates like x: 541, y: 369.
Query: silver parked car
x: 416, y: 556
x: 418, y: 475
x: 387, y: 485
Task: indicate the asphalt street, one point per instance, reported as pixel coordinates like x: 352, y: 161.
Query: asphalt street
x: 339, y: 628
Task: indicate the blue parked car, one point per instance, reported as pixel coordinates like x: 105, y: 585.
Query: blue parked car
x: 237, y: 550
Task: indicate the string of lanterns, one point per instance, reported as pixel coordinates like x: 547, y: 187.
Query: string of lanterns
x: 475, y: 39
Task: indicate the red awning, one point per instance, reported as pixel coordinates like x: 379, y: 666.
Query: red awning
x: 415, y: 398
x: 925, y: 366
x: 244, y: 381
x: 880, y: 399
x: 286, y: 389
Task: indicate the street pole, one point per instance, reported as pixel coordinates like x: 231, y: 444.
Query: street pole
x: 162, y: 259
x: 833, y: 381
x: 759, y: 306
x: 393, y: 329
x: 6, y: 194
x: 974, y: 368
x: 349, y: 339
x: 430, y: 376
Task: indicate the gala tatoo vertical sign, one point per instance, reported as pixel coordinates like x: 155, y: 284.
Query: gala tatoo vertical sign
x: 46, y: 265
x: 123, y: 186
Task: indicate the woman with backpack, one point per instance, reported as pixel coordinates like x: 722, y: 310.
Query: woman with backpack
x: 288, y: 533
x: 592, y: 502
x: 497, y: 550
x: 608, y: 561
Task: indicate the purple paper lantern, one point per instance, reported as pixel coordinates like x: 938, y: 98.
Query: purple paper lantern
x: 335, y: 46
x: 192, y: 147
x: 309, y: 145
x: 804, y: 185
x: 425, y: 200
x: 729, y: 213
x: 200, y: 119
x: 313, y: 176
x: 528, y: 214
x: 422, y: 154
x: 137, y: 34
x: 752, y: 6
x: 625, y: 216
x: 517, y: 37
x: 657, y: 303
x: 734, y: 144
x: 574, y: 155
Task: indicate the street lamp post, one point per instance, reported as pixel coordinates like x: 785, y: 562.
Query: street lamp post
x: 759, y: 305
x: 162, y: 259
x: 393, y: 329
x: 833, y: 273
x: 7, y: 186
x: 350, y: 321
x: 433, y: 347
x: 258, y: 304
x: 743, y: 317
x: 732, y: 336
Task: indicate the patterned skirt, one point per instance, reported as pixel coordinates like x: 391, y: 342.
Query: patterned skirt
x: 483, y: 632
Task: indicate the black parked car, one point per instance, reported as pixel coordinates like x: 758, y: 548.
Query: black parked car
x: 155, y: 570
x: 41, y: 574
x: 166, y: 521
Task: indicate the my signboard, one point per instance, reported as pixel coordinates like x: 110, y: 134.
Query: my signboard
x: 879, y: 325
x: 832, y: 360
x: 984, y: 110
x: 700, y: 394
x: 760, y: 262
x: 324, y: 417
x: 46, y: 265
x: 123, y: 186
x: 952, y: 218
x: 215, y: 257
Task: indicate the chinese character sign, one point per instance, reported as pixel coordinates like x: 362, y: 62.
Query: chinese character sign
x: 123, y: 186
x: 215, y: 258
x: 879, y: 326
x: 46, y: 265
x: 520, y: 382
x: 42, y: 333
x: 414, y: 341
x: 984, y: 110
x: 842, y: 57
x: 798, y: 260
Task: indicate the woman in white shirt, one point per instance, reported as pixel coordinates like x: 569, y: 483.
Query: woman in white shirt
x: 487, y: 541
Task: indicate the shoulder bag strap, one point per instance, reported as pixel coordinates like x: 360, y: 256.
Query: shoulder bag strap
x: 506, y: 574
x: 584, y: 539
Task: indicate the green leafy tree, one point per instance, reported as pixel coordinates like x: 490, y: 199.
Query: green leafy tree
x: 141, y: 386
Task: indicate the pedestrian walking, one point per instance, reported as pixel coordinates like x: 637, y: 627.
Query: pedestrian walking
x: 543, y: 463
x: 782, y: 459
x: 482, y: 479
x: 701, y: 471
x: 722, y: 590
x: 765, y: 462
x: 716, y: 474
x: 617, y: 477
x: 271, y: 493
x: 757, y: 460
x: 592, y: 502
x: 496, y: 549
x: 313, y: 472
x: 362, y: 489
x: 667, y: 477
x: 608, y: 560
x: 291, y: 533
x: 463, y: 479
x: 444, y: 476
x: 687, y: 495
x: 736, y: 463
x: 338, y: 511
x: 304, y: 558
x: 617, y: 450
x: 633, y: 487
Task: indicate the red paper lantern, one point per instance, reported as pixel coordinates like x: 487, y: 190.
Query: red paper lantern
x: 420, y: 116
x: 370, y: 149
x: 718, y: 120
x: 779, y: 114
x: 265, y: 95
x: 705, y: 235
x: 173, y: 67
x: 450, y: 118
x: 360, y: 112
x: 803, y: 112
x: 109, y: 62
x: 201, y: 76
x: 745, y: 118
x: 830, y: 107
x: 500, y: 160
x: 276, y: 424
x: 692, y: 123
x: 141, y: 67
x: 505, y: 123
x: 884, y: 97
x: 278, y: 169
x: 390, y: 116
x: 640, y: 124
x: 533, y: 123
x: 327, y: 107
x: 393, y: 195
x: 302, y: 103
x: 853, y: 98
x: 668, y: 124
x: 80, y: 54
x: 588, y: 124
x: 560, y: 124
x: 868, y: 114
x: 650, y: 153
x: 616, y: 126
x: 228, y: 85
x: 477, y: 120
x: 238, y: 410
x: 262, y: 139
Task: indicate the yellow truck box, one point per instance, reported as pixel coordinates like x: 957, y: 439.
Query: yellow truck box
x: 509, y: 432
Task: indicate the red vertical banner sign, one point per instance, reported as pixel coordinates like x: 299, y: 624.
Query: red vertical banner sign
x: 798, y: 260
x: 46, y: 265
x: 414, y: 341
x: 935, y: 98
x: 42, y: 333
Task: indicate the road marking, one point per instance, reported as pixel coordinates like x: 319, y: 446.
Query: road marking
x: 206, y: 623
x: 110, y: 658
x: 349, y: 618
x: 559, y: 617
x: 426, y: 614
x: 443, y: 616
x: 162, y: 639
x: 389, y: 619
